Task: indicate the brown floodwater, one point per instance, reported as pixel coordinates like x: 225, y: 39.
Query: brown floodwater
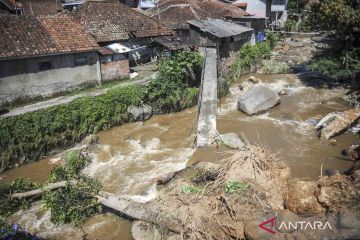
x: 129, y: 157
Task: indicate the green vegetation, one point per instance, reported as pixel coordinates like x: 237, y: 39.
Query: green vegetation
x: 342, y: 60
x: 76, y: 201
x: 290, y: 25
x: 341, y: 16
x: 175, y: 85
x: 71, y: 204
x: 235, y: 187
x: 249, y: 56
x: 189, y: 189
x: 28, y: 137
x: 8, y: 205
x: 276, y: 67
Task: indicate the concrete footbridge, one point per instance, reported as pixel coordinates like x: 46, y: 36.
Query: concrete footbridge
x: 208, y: 99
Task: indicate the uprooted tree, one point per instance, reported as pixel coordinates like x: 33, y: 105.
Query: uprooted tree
x: 70, y: 195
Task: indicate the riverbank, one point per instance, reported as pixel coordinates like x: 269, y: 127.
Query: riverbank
x: 32, y: 135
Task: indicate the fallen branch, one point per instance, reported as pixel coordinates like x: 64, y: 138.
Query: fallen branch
x: 38, y: 192
x: 139, y: 211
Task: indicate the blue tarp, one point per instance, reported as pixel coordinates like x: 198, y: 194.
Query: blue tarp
x: 261, y: 37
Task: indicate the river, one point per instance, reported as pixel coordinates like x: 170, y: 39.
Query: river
x: 129, y: 157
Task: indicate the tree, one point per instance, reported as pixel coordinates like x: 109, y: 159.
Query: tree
x: 342, y: 16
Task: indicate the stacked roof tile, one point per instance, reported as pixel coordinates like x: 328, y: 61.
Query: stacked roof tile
x: 26, y: 36
x: 109, y: 21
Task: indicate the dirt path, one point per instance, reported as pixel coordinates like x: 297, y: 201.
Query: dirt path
x: 66, y: 99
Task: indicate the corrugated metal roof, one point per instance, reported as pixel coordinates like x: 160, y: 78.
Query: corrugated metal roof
x: 220, y: 28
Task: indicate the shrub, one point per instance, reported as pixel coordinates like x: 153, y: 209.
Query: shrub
x: 77, y: 200
x: 27, y: 137
x: 249, y: 56
x: 276, y: 67
x: 173, y: 87
x: 331, y: 68
x: 8, y: 205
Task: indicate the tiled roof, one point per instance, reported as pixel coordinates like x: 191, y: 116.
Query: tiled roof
x: 41, y: 7
x: 110, y: 21
x: 175, y: 13
x: 23, y: 36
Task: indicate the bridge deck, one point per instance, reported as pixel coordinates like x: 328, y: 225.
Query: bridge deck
x: 206, y: 132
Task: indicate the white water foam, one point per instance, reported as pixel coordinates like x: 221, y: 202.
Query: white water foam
x: 132, y: 175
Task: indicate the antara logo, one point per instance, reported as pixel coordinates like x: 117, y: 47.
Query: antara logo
x: 270, y: 224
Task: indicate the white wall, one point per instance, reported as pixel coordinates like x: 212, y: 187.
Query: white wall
x: 47, y: 83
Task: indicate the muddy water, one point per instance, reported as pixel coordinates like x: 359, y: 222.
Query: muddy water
x: 129, y: 157
x: 284, y: 129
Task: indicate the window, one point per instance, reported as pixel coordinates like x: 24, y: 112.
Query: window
x: 80, y: 59
x: 43, y: 66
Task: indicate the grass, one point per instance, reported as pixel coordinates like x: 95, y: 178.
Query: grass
x: 235, y: 187
x: 276, y: 67
x: 189, y: 189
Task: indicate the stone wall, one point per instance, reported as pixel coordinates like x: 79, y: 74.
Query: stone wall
x: 22, y: 78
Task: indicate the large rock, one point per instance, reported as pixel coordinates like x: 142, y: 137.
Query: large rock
x: 282, y: 221
x: 301, y: 197
x: 141, y: 230
x: 353, y: 152
x: 334, y: 124
x: 232, y: 140
x: 336, y: 191
x: 90, y: 140
x: 349, y: 220
x: 258, y: 99
x: 140, y: 113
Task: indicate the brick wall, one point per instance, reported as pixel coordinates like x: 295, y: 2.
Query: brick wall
x: 114, y: 70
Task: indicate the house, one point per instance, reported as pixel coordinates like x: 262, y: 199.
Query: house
x: 114, y: 62
x: 32, y: 7
x: 273, y: 10
x: 42, y: 56
x: 176, y: 13
x: 10, y: 6
x: 114, y: 22
x: 143, y: 4
x: 226, y: 36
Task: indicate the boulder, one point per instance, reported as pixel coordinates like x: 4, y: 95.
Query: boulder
x: 141, y: 230
x: 141, y: 113
x: 356, y: 175
x: 258, y: 99
x: 353, y: 152
x: 254, y: 232
x: 285, y: 216
x: 301, y: 197
x: 336, y: 191
x: 232, y: 140
x: 282, y: 93
x: 348, y: 220
x: 90, y: 140
x: 254, y: 80
x: 334, y: 124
